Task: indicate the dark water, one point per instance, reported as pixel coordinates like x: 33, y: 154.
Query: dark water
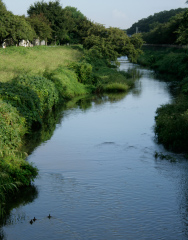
x: 99, y: 178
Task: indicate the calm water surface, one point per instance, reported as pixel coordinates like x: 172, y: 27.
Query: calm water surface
x: 99, y: 178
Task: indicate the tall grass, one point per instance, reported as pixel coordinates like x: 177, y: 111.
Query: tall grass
x: 19, y: 60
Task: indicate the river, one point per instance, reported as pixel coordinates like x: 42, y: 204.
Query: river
x: 99, y: 178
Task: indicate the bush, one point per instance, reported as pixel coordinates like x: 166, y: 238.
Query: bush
x: 12, y: 129
x: 66, y: 82
x: 172, y: 125
x: 24, y: 99
x: 83, y: 72
x: 44, y: 88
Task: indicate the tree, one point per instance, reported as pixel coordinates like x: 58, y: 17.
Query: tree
x: 76, y: 24
x: 3, y: 19
x: 19, y: 29
x: 41, y: 26
x: 183, y: 29
x: 14, y: 27
x: 149, y: 23
x: 165, y: 33
x: 113, y: 42
x: 53, y: 12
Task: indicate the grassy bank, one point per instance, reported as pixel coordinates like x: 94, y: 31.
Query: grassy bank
x: 33, y: 82
x: 19, y: 60
x: 171, y: 119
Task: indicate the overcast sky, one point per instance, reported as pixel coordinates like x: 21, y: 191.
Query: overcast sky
x: 114, y: 13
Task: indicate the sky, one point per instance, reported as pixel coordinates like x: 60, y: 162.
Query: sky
x: 114, y: 13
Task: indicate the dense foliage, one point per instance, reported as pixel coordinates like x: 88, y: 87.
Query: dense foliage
x: 149, y: 23
x: 167, y: 27
x: 165, y: 33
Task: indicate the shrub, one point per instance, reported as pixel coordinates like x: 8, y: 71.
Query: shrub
x: 24, y: 99
x: 83, y: 71
x: 66, y: 82
x: 12, y: 129
x: 172, y: 125
x: 44, y: 88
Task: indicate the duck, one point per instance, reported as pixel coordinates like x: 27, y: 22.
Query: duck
x: 34, y: 219
x: 31, y: 221
x: 49, y: 216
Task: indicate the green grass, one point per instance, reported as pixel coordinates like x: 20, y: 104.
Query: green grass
x: 19, y: 60
x: 116, y: 87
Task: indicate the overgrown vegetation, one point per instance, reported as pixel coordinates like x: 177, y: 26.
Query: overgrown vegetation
x: 28, y: 97
x: 171, y: 119
x: 33, y: 81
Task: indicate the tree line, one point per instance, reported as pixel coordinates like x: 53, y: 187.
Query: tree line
x: 51, y: 22
x: 147, y: 24
x: 167, y: 27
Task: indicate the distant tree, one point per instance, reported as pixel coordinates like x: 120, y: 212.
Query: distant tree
x: 112, y: 43
x: 14, y: 27
x: 41, y: 26
x: 151, y: 22
x: 165, y: 33
x: 76, y: 24
x: 20, y: 29
x: 53, y: 11
x: 183, y: 30
x: 3, y: 19
x: 2, y: 7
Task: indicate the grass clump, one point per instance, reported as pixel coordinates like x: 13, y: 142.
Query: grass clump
x: 116, y: 87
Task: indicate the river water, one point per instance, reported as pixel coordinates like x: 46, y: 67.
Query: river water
x: 98, y: 175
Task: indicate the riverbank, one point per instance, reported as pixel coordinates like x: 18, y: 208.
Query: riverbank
x: 171, y: 119
x: 33, y: 82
